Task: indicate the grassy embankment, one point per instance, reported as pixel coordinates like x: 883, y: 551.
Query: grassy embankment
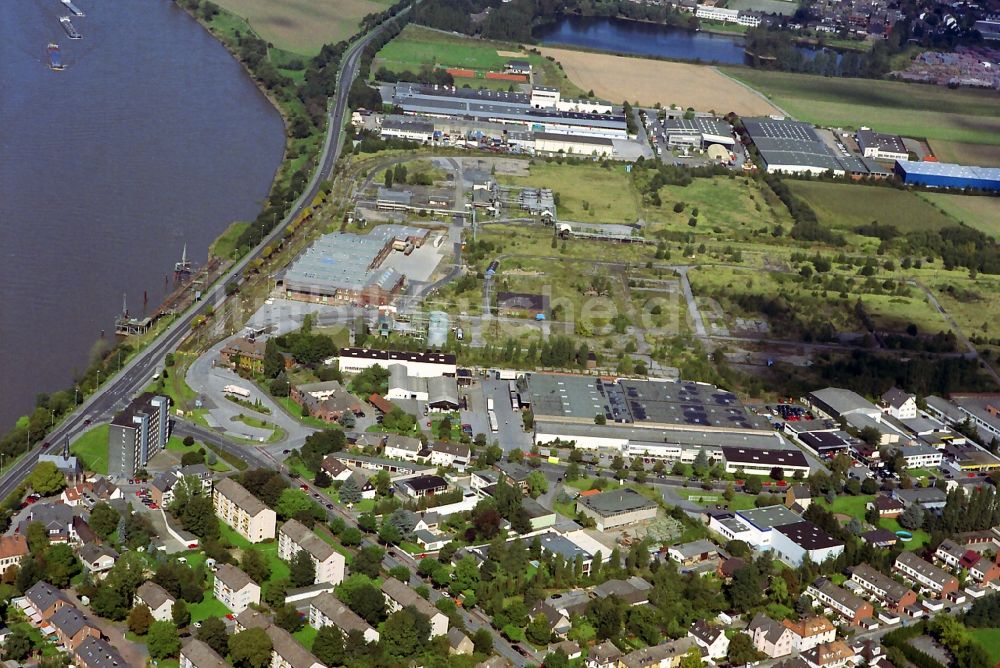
x: 961, y: 118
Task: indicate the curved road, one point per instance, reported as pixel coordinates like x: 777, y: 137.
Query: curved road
x: 138, y: 372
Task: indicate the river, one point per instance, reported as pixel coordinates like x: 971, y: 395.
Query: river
x: 647, y: 39
x: 153, y: 137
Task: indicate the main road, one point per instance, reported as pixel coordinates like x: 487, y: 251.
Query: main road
x: 138, y: 372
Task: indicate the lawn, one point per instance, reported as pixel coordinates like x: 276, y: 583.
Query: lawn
x: 176, y: 444
x: 269, y: 549
x: 306, y: 635
x: 845, y: 504
x: 740, y: 501
x: 979, y: 212
x: 920, y: 537
x: 295, y: 411
x: 92, y: 449
x: 989, y: 639
x: 848, y: 206
x: 304, y: 26
x: 208, y: 607
x: 912, y: 110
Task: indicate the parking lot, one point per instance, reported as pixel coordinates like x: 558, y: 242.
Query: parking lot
x: 510, y: 424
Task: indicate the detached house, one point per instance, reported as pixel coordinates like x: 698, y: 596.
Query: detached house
x: 899, y: 404
x: 98, y: 559
x: 157, y: 599
x: 836, y: 654
x: 810, y: 632
x: 450, y: 454
x: 711, y: 638
x: 293, y: 537
x: 12, y: 550
x: 769, y: 637
x: 886, y: 506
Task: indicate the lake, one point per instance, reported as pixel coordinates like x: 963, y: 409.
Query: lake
x: 153, y: 137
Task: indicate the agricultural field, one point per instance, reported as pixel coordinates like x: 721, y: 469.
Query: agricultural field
x: 417, y: 47
x: 848, y: 206
x: 983, y: 155
x: 304, y: 26
x: 912, y: 110
x: 979, y: 212
x: 650, y: 81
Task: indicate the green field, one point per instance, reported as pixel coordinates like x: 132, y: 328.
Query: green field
x: 980, y: 212
x: 269, y: 549
x: 847, y: 206
x: 845, y: 504
x: 304, y: 26
x: 989, y: 639
x: 208, y: 607
x: 912, y: 110
x: 92, y: 449
x: 418, y: 47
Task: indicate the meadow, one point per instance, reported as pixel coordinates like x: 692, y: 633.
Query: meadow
x: 304, y: 26
x: 980, y: 212
x: 912, y: 110
x: 650, y: 81
x: 847, y: 206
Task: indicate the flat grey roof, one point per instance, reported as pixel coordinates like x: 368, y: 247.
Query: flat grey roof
x: 616, y: 501
x: 769, y: 517
x: 684, y: 437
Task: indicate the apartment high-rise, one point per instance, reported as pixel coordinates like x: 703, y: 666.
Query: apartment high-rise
x: 138, y: 433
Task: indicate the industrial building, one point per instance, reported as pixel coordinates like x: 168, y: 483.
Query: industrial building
x: 542, y: 110
x: 552, y: 143
x: 425, y: 365
x: 794, y: 147
x: 948, y: 175
x: 346, y: 268
x: 698, y: 132
x: 881, y: 146
x: 137, y: 434
x: 617, y: 507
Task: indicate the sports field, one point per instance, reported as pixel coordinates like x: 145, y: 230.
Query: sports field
x: 912, y: 110
x: 847, y: 206
x: 650, y: 81
x: 417, y: 47
x: 304, y: 26
x: 980, y: 212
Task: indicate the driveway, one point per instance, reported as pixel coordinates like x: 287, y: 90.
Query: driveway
x: 208, y: 378
x: 135, y: 654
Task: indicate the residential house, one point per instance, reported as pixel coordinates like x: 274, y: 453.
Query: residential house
x: 798, y: 498
x: 920, y: 455
x: 712, y: 638
x: 157, y: 599
x: 244, y: 353
x: 12, y: 550
x: 770, y: 637
x: 459, y: 643
x: 514, y: 474
x: 664, y: 655
x: 286, y: 652
x: 539, y: 516
x: 695, y: 552
x: 327, y: 610
x: 137, y: 433
x: 98, y: 559
x: 899, y: 404
x: 328, y: 401
x: 931, y: 498
x: 810, y: 632
x: 105, y: 490
x: 406, y: 448
x: 633, y: 591
x: 843, y: 602
x: 196, y: 654
x: 423, y: 485
x: 399, y: 596
x: 454, y: 455
x: 243, y: 511
x: 72, y: 627
x: 836, y: 654
x: 97, y: 653
x: 558, y: 619
x: 480, y: 480
x: 728, y: 566
x: 880, y: 538
x: 330, y: 565
x: 955, y: 556
x: 985, y: 571
x: 57, y: 518
x: 604, y: 655
x: 430, y: 542
x: 77, y: 494
x: 161, y: 490
x: 41, y: 601
x: 927, y: 576
x: 891, y: 594
x: 235, y: 589
x: 569, y: 648
x: 886, y: 506
x: 363, y: 479
x: 199, y: 472
x: 335, y: 468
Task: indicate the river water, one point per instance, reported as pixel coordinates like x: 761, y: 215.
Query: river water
x: 152, y: 137
x: 642, y: 39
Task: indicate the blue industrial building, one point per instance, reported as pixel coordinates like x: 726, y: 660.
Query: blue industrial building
x: 947, y: 175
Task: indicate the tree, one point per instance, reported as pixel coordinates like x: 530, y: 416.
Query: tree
x: 103, y: 519
x: 389, y: 534
x: 753, y: 486
x: 700, y: 464
x: 287, y: 617
x: 350, y: 492
x: 46, y: 479
x: 368, y: 561
x: 250, y: 649
x: 692, y: 659
x: 405, y: 633
x: 180, y: 614
x: 139, y: 620
x: 745, y: 590
x: 538, y: 631
x: 869, y: 486
x: 18, y: 645
x: 913, y: 517
x: 367, y: 602
x: 742, y: 650
x: 291, y: 502
x: 255, y: 565
x: 322, y: 479
x: 556, y: 659
x: 61, y: 565
x: 214, y: 634
x: 163, y: 640
x: 537, y: 484
x: 302, y: 570
x: 274, y: 361
x: 482, y: 641
x: 328, y: 646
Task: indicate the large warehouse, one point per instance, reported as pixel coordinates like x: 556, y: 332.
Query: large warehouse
x: 346, y: 268
x: 794, y: 147
x: 700, y: 131
x: 948, y: 175
x: 541, y: 111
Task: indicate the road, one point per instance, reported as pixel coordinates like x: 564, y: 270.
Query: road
x: 138, y: 372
